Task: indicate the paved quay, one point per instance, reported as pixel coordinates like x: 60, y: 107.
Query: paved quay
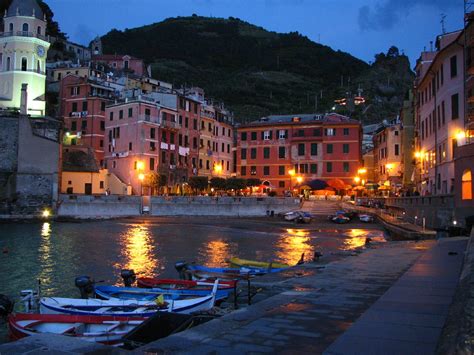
x: 316, y: 306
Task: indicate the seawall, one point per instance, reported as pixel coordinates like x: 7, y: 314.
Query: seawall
x: 82, y: 206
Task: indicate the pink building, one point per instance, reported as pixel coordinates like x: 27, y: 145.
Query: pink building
x: 388, y: 155
x: 439, y: 113
x: 142, y: 141
x: 124, y: 63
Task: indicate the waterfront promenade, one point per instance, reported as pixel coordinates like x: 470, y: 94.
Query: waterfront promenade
x: 319, y: 310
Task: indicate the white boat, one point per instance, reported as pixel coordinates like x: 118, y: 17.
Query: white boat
x: 367, y: 218
x: 125, y: 308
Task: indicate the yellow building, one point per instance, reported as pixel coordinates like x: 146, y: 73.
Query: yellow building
x: 23, y: 50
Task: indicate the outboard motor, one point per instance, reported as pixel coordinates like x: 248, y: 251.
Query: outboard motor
x: 128, y: 276
x: 6, y: 306
x: 85, y: 285
x: 181, y: 267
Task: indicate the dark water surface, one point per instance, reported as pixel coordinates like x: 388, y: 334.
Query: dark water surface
x: 56, y: 252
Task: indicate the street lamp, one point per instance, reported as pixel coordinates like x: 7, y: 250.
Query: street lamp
x: 357, y: 179
x: 218, y: 169
x: 299, y: 179
x: 291, y: 172
x: 141, y: 177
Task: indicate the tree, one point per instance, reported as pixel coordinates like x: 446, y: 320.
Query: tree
x: 253, y: 182
x: 218, y: 183
x: 198, y: 182
x: 156, y: 180
x: 235, y: 184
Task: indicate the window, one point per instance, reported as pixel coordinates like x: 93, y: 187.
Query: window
x: 330, y: 131
x: 111, y: 116
x: 130, y: 146
x: 281, y: 170
x: 266, y: 153
x: 303, y: 168
x: 253, y: 136
x: 163, y: 158
x: 8, y: 63
x: 329, y: 148
x: 24, y: 64
x: 466, y: 187
x: 172, y: 137
x: 317, y: 132
x: 300, y: 133
x: 266, y: 170
x: 253, y: 170
x: 281, y: 134
x: 74, y: 107
x: 84, y: 124
x: 345, y: 131
x: 152, y: 163
x: 267, y: 135
x: 301, y: 149
x: 11, y: 27
x: 243, y: 136
x: 73, y: 125
x: 281, y: 152
x: 195, y: 143
x: 281, y: 184
x: 345, y: 167
x: 120, y: 114
x: 130, y: 112
x: 313, y: 168
x: 455, y: 106
x: 84, y: 106
x: 442, y: 73
x: 163, y: 137
x: 253, y: 153
x: 195, y: 124
x: 314, y: 148
x: 243, y: 170
x: 25, y: 27
x: 329, y: 167
x: 102, y: 106
x: 152, y: 146
x: 152, y: 133
x: 243, y: 153
x: 397, y: 149
x: 443, y: 115
x: 396, y: 133
x: 345, y: 148
x: 102, y: 125
x: 454, y: 66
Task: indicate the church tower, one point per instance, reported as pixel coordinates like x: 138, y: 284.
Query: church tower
x: 23, y: 49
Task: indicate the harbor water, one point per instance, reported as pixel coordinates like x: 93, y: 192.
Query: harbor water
x: 55, y: 253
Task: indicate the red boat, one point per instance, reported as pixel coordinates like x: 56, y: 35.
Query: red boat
x: 101, y: 329
x: 150, y: 282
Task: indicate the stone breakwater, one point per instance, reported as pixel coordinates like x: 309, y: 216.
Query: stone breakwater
x: 123, y: 206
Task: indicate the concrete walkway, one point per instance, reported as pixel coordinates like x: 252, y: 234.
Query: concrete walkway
x: 409, y: 317
x: 316, y: 307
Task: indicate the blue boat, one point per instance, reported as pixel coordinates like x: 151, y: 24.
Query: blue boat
x: 229, y: 272
x: 143, y: 294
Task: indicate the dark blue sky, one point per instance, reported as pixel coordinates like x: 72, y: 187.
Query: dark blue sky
x: 360, y: 27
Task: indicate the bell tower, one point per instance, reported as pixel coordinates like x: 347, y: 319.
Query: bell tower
x: 23, y: 49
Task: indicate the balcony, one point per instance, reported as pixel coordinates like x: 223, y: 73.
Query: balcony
x: 170, y: 124
x: 24, y: 34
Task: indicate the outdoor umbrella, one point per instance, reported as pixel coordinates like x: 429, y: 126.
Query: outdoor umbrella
x: 338, y: 184
x: 371, y: 186
x: 317, y: 184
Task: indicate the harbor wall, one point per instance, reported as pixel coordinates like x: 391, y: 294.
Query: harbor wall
x: 101, y: 206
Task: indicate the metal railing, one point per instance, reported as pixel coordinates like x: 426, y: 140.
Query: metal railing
x: 24, y: 34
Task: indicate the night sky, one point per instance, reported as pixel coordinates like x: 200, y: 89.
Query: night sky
x: 360, y: 27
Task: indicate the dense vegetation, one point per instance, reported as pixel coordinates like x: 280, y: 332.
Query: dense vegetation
x: 257, y: 72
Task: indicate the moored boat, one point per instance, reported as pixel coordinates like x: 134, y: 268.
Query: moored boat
x: 237, y: 262
x: 204, y: 272
x: 100, y: 329
x: 175, y: 284
x: 150, y: 294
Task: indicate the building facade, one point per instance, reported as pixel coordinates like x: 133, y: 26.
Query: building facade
x: 23, y: 50
x: 388, y: 154
x: 439, y: 113
x: 123, y: 63
x: 83, y: 103
x: 280, y: 150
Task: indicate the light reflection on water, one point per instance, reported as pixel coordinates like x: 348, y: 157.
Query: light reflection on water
x: 292, y: 244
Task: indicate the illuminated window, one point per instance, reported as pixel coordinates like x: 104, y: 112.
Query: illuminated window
x: 466, y: 185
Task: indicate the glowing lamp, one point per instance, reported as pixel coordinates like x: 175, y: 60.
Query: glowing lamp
x: 140, y: 165
x: 218, y: 168
x: 418, y: 155
x: 46, y: 213
x: 357, y: 179
x: 389, y: 166
x: 362, y: 171
x: 460, y: 135
x: 299, y: 179
x: 291, y: 172
x: 141, y: 177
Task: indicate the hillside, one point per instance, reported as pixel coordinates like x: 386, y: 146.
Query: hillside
x: 257, y: 72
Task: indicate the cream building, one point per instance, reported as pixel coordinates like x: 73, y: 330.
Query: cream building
x: 23, y: 49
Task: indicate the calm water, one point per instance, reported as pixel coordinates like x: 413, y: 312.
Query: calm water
x: 56, y: 253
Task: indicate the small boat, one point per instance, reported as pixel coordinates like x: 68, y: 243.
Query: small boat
x: 298, y: 216
x: 150, y: 294
x: 305, y: 217
x: 237, y: 262
x: 98, y: 328
x: 340, y: 219
x: 175, y: 284
x: 125, y: 308
x: 199, y: 271
x: 291, y: 216
x: 366, y: 218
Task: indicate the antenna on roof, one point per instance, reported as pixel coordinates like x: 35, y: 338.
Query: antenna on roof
x: 443, y: 23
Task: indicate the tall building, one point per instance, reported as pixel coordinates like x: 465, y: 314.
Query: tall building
x: 407, y: 119
x: 23, y: 50
x: 280, y: 150
x: 439, y: 113
x: 388, y: 154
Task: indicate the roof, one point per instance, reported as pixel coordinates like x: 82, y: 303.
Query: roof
x: 107, y: 57
x: 331, y: 118
x: 79, y: 160
x: 25, y: 8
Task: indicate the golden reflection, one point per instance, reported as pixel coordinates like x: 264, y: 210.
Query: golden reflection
x: 356, y: 238
x: 217, y: 253
x: 137, y: 248
x: 46, y: 229
x: 292, y: 244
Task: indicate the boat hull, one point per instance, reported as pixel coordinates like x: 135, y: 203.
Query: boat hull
x: 237, y: 262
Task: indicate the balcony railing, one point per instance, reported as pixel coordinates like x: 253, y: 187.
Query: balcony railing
x: 170, y: 124
x: 24, y: 34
